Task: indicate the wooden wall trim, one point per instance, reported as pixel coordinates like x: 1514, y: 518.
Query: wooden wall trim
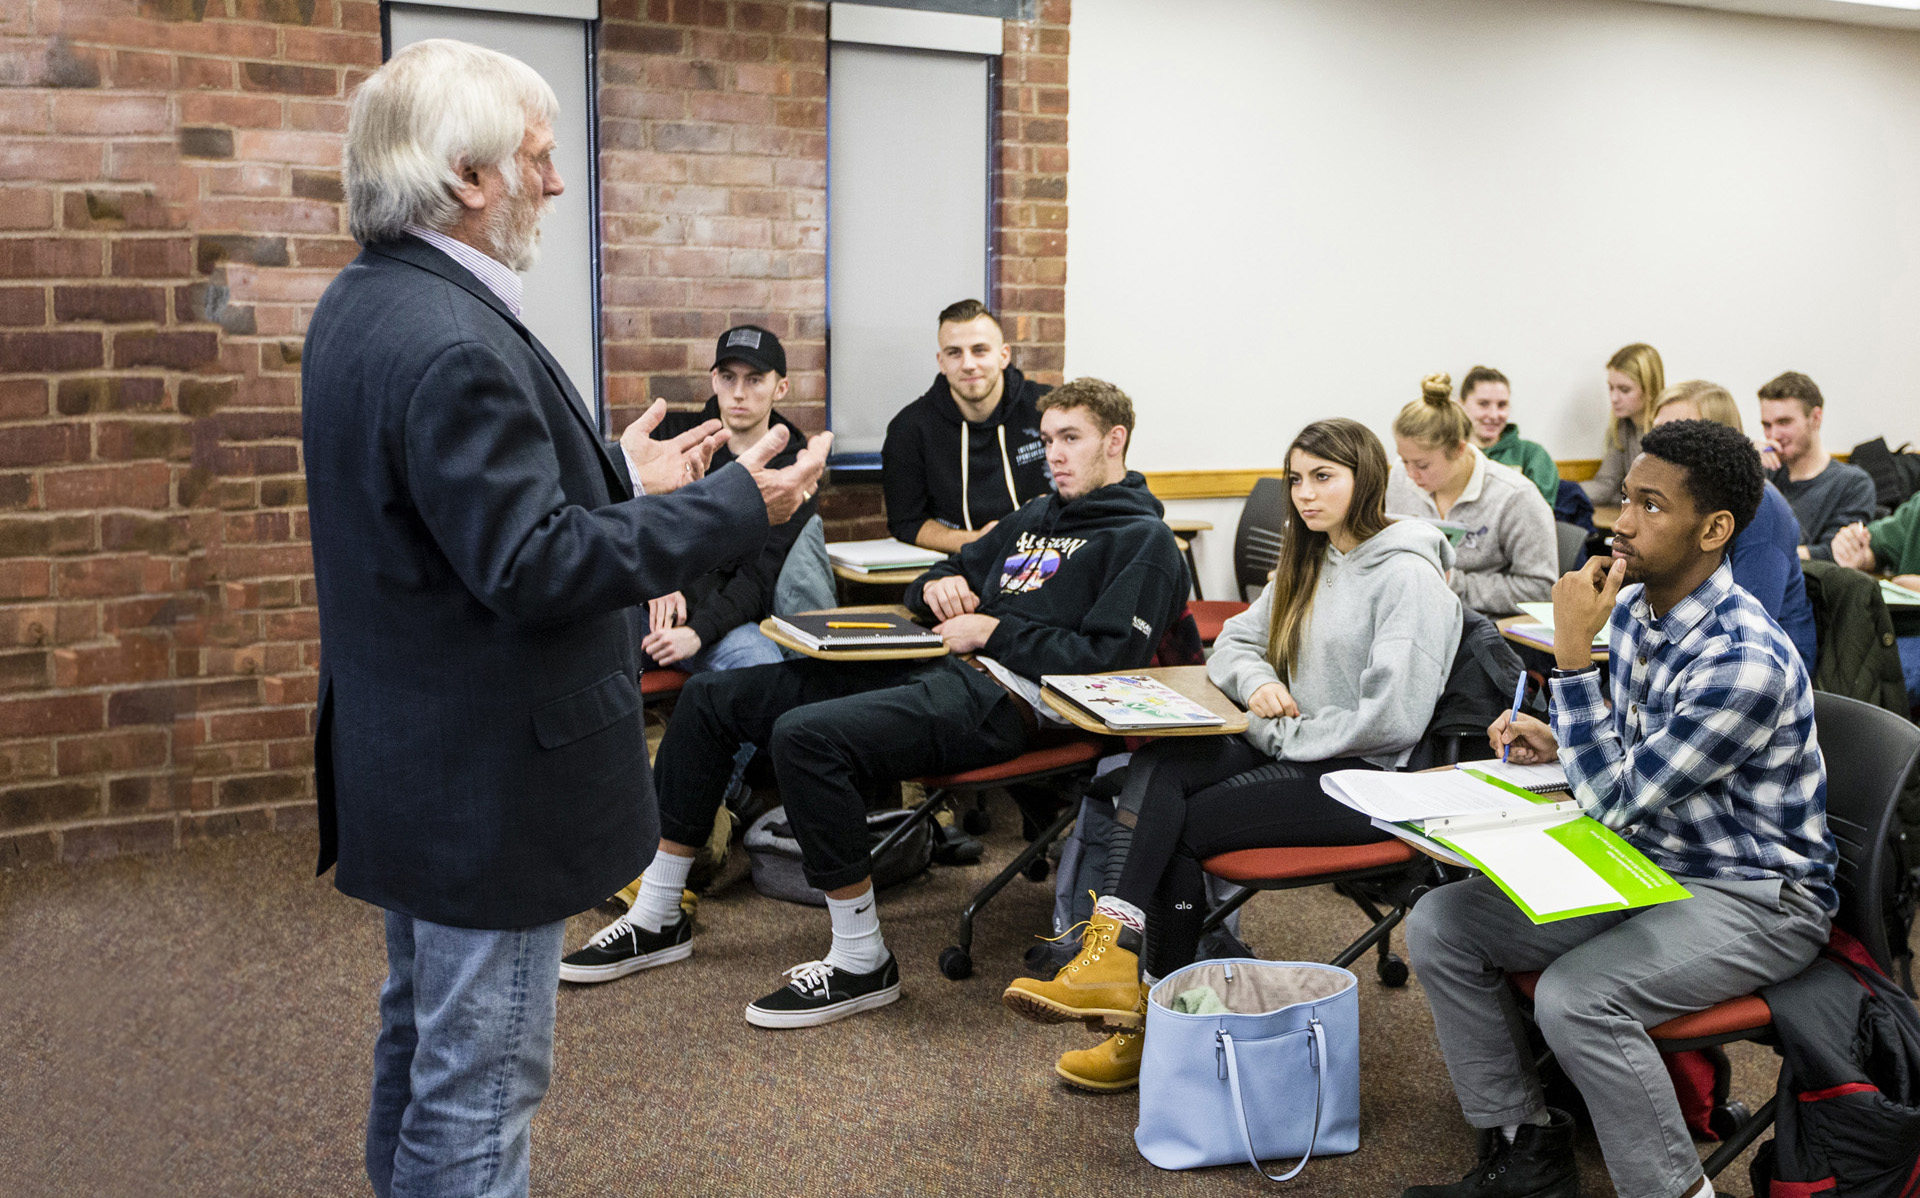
x: 1236, y: 484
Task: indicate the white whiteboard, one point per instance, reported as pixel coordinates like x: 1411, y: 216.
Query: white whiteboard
x: 907, y: 183
x: 1349, y: 194
x: 559, y: 301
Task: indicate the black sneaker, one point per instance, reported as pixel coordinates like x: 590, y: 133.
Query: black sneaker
x: 1538, y: 1164
x: 817, y: 993
x: 622, y: 948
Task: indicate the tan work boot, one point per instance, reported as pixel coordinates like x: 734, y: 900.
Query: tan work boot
x: 1109, y: 1066
x: 1100, y: 986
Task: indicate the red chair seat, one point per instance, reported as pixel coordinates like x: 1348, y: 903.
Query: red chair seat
x: 1247, y: 866
x: 1748, y: 1013
x: 1044, y: 760
x: 1210, y: 614
x: 654, y: 683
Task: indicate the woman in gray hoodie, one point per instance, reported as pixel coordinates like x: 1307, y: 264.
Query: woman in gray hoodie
x: 1339, y: 662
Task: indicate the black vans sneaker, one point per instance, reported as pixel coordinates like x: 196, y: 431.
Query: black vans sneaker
x: 818, y: 993
x: 622, y: 948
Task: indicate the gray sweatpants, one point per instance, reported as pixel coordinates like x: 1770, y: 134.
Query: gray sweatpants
x: 1607, y: 979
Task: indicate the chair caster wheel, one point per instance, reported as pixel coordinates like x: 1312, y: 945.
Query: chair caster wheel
x: 1392, y: 970
x: 955, y: 963
x: 977, y: 822
x: 1728, y: 1118
x: 1037, y: 870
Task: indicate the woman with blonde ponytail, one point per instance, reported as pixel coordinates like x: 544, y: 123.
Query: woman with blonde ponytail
x: 1508, y: 553
x: 1339, y: 664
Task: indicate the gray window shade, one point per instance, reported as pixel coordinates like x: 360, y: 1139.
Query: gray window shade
x: 559, y: 303
x: 907, y: 188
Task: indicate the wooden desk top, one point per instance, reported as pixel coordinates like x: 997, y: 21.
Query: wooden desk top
x: 876, y: 577
x: 1506, y: 623
x: 1189, y: 527
x: 1604, y: 517
x: 1191, y: 681
x: 773, y: 633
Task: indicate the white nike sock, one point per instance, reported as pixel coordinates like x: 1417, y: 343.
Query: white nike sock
x: 658, y: 903
x: 857, y: 947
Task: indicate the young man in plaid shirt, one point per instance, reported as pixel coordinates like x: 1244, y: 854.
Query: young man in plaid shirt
x: 1708, y: 764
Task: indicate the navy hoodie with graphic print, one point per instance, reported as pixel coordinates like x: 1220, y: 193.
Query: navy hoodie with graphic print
x: 927, y: 441
x: 1079, y: 585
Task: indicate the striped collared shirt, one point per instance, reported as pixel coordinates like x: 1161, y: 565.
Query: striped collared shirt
x: 497, y: 275
x: 1708, y: 762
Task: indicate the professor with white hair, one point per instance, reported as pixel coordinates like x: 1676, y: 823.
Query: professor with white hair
x: 482, y: 555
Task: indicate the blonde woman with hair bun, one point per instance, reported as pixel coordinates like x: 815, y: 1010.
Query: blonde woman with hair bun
x: 1635, y: 379
x: 1508, y: 553
x: 1765, y: 556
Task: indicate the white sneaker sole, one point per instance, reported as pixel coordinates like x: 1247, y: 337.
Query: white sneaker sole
x: 820, y: 1015
x: 587, y: 975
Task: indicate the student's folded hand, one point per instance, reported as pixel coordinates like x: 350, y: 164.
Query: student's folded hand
x: 1853, y: 546
x: 968, y: 633
x: 668, y: 611
x: 949, y: 597
x: 1272, y: 701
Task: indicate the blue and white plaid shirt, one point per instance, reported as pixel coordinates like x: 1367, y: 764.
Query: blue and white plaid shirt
x: 1707, y: 762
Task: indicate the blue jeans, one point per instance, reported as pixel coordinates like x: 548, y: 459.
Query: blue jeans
x: 463, y: 1059
x: 1910, y: 667
x: 744, y: 646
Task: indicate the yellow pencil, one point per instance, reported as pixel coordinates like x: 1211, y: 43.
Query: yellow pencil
x: 854, y: 624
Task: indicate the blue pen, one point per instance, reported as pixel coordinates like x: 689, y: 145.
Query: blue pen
x: 1519, y: 697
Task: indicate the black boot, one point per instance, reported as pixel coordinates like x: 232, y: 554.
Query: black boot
x: 1538, y: 1164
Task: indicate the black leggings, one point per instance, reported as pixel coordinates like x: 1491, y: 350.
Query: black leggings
x: 1198, y: 796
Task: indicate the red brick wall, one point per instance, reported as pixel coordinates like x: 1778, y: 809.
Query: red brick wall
x: 169, y: 213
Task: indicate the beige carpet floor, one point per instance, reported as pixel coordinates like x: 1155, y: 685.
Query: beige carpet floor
x: 201, y: 1023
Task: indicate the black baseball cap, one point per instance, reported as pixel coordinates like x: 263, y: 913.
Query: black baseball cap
x: 753, y: 345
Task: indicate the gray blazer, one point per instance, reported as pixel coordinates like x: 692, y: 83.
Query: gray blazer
x: 479, y: 755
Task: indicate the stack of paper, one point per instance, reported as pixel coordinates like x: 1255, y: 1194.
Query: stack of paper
x: 869, y: 557
x: 1897, y: 595
x: 1541, y: 630
x: 1553, y: 862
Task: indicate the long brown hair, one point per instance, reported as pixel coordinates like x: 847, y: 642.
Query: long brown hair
x: 1297, y: 574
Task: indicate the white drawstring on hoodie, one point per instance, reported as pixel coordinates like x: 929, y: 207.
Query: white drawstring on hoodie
x: 966, y: 470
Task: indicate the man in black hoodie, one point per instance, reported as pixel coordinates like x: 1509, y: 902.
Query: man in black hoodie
x: 968, y: 451
x: 714, y: 624
x: 1086, y: 579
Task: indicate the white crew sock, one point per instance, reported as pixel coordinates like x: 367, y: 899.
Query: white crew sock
x: 658, y: 903
x: 1539, y: 1118
x: 1122, y: 912
x: 857, y: 947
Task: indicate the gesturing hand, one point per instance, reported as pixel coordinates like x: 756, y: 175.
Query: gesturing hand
x: 1531, y: 742
x: 1853, y: 546
x: 666, y: 466
x: 1583, y: 602
x: 1272, y: 701
x: 949, y: 597
x: 666, y: 612
x: 783, y: 491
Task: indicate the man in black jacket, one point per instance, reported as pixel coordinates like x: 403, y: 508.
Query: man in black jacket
x: 713, y: 623
x: 480, y: 555
x: 1084, y: 580
x: 968, y: 451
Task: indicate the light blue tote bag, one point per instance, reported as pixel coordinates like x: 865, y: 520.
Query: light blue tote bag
x: 1273, y: 1072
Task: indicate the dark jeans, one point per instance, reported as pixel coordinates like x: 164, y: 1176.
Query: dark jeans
x: 833, y: 729
x: 1198, y: 796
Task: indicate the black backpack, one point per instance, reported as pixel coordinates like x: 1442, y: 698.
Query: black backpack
x: 1895, y: 472
x: 1849, y: 1115
x: 1479, y: 687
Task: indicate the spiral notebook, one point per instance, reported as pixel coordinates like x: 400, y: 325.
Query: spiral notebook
x: 1546, y: 779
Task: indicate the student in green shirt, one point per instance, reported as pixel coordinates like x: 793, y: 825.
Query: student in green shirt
x: 1894, y: 543
x: 1485, y: 394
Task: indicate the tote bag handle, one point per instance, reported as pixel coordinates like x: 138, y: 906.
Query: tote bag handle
x: 1318, y: 1036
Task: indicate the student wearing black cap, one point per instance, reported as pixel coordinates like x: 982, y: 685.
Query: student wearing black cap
x: 714, y: 624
